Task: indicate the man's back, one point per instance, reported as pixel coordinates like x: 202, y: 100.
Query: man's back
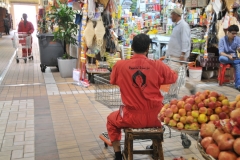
x: 139, y: 80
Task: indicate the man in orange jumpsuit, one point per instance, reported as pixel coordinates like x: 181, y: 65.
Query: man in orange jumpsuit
x: 139, y: 80
x: 26, y: 27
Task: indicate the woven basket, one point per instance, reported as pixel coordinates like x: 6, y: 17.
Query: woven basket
x: 201, y: 150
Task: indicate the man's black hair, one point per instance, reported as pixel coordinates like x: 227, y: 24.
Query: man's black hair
x: 233, y: 28
x: 140, y: 43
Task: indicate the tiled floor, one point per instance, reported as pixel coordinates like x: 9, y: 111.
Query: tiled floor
x: 46, y: 117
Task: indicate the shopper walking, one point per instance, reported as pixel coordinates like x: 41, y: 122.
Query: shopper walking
x: 139, y: 80
x: 228, y: 47
x: 6, y: 24
x: 179, y: 45
x: 26, y: 27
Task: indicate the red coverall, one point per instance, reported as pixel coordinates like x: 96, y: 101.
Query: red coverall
x: 139, y: 80
x: 28, y: 28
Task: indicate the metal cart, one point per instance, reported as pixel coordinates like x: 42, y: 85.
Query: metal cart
x: 110, y: 96
x: 22, y: 42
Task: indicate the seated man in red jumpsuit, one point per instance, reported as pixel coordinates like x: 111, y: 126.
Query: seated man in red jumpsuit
x: 27, y: 27
x: 139, y: 80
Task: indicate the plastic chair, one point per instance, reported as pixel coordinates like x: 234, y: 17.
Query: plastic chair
x: 221, y: 74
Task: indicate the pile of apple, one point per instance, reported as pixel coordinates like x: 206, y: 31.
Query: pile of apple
x: 221, y: 138
x: 192, y: 111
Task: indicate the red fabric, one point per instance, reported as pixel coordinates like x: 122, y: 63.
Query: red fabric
x: 28, y: 28
x: 139, y: 80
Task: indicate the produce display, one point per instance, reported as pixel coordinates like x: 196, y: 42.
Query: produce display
x: 221, y: 136
x: 191, y: 112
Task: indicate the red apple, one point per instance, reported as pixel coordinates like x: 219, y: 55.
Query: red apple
x: 217, y: 135
x: 168, y: 113
x: 166, y: 106
x: 207, y: 130
x: 227, y: 155
x: 174, y: 108
x: 207, y: 92
x: 182, y: 112
x: 202, y: 96
x: 232, y: 105
x: 206, y: 102
x: 225, y: 109
x: 189, y: 113
x: 213, y: 94
x: 236, y: 131
x: 226, y: 142
x: 213, y: 150
x: 180, y: 104
x: 218, y: 110
x: 236, y: 146
x: 218, y: 104
x: 198, y: 93
x: 188, y: 107
x: 222, y: 115
x: 201, y: 104
x: 194, y: 107
x: 235, y: 113
x: 189, y: 119
x: 166, y: 120
x: 184, y: 98
x: 197, y: 99
x: 209, y: 111
x: 190, y: 101
x: 203, y: 110
x: 183, y: 119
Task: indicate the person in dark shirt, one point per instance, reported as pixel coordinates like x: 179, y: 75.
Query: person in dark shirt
x: 6, y: 25
x: 228, y: 48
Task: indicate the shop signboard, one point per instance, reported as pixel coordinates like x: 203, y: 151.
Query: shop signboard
x: 202, y: 3
x: 150, y: 7
x: 188, y: 3
x: 195, y: 3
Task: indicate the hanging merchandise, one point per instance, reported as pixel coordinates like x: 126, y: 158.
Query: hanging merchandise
x: 99, y: 33
x: 91, y: 9
x: 212, y: 34
x: 217, y: 6
x: 88, y: 33
x: 104, y: 2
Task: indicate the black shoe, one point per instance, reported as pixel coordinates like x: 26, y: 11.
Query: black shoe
x: 118, y: 158
x: 238, y: 88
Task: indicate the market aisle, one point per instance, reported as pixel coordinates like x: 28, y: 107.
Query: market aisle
x: 44, y: 116
x: 6, y: 51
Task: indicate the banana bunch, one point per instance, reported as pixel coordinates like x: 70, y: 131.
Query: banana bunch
x: 153, y: 31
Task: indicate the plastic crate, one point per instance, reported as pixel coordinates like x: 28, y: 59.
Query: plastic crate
x: 209, y: 62
x: 106, y: 93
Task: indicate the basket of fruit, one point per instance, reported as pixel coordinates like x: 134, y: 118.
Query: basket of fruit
x: 190, y: 113
x: 220, y: 139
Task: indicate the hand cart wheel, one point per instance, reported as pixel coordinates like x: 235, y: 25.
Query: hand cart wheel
x: 105, y: 144
x: 43, y: 67
x: 25, y: 60
x: 17, y: 60
x: 186, y: 143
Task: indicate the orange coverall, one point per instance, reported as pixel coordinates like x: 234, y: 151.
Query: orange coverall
x: 28, y: 28
x: 139, y: 80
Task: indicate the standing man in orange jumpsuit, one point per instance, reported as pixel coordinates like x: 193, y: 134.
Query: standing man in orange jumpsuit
x: 139, y: 80
x: 26, y: 27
